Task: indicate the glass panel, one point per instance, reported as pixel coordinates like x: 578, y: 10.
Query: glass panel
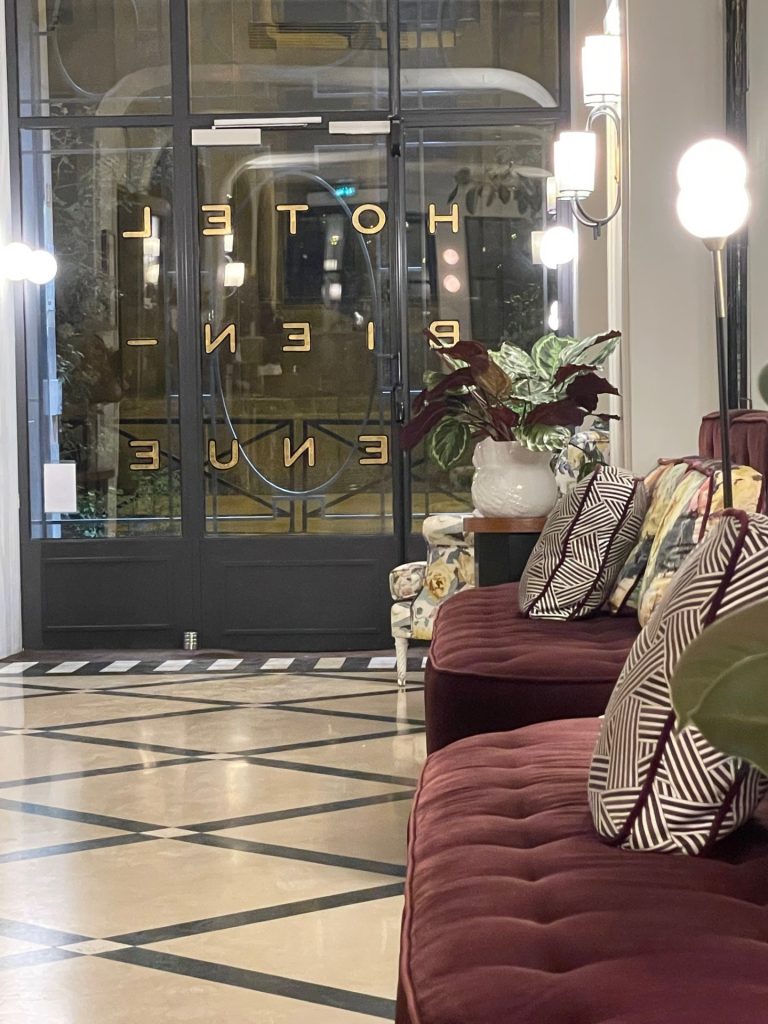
x: 473, y: 197
x: 91, y: 57
x: 757, y: 120
x: 288, y: 55
x: 102, y: 347
x: 461, y: 54
x: 294, y: 281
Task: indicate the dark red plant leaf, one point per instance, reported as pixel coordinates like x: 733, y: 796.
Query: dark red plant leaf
x: 506, y: 416
x: 563, y: 413
x: 472, y: 353
x: 422, y: 423
x: 461, y: 378
x: 571, y: 370
x: 587, y: 388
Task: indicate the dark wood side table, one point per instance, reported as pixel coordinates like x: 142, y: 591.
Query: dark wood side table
x: 502, y: 547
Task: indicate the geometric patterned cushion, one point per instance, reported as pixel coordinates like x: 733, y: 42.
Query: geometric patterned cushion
x: 583, y: 546
x: 660, y: 483
x: 689, y: 517
x: 651, y: 788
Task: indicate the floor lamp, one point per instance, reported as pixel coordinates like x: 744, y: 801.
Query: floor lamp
x: 713, y: 205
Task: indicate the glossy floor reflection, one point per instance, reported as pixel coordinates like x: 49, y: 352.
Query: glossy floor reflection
x: 203, y: 848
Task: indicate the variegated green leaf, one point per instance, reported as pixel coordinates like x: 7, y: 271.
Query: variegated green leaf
x: 588, y: 351
x: 544, y: 439
x: 514, y: 361
x: 448, y: 442
x: 547, y: 354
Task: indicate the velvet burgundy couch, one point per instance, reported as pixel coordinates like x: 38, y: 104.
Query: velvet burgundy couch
x: 516, y: 913
x: 491, y: 669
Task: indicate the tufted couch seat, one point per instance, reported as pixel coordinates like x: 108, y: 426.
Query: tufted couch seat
x: 490, y: 668
x: 516, y: 913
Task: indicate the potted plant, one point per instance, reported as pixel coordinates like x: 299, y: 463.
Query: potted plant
x: 719, y: 685
x: 519, y: 407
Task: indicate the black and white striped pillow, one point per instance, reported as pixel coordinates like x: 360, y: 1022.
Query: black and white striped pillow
x: 583, y: 546
x: 651, y: 788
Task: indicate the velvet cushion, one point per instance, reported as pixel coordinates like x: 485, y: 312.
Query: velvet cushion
x: 691, y: 513
x: 517, y: 913
x: 491, y: 668
x: 650, y: 787
x: 660, y: 484
x: 583, y: 546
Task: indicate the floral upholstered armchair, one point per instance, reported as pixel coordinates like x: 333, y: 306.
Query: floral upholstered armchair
x: 419, y: 588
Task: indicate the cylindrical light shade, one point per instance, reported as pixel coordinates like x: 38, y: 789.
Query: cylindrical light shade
x: 601, y: 70
x: 713, y: 164
x: 557, y: 247
x: 713, y: 213
x: 234, y: 275
x: 575, y: 162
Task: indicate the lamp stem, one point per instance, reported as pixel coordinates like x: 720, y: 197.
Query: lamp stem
x: 721, y: 311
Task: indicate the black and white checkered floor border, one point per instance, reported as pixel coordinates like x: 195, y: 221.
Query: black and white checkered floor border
x: 246, y: 665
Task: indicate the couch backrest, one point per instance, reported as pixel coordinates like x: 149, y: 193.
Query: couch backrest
x: 749, y: 441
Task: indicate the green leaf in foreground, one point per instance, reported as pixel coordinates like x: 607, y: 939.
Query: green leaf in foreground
x: 720, y: 685
x: 448, y: 442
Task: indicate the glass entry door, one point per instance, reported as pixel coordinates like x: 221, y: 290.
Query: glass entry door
x: 298, y: 383
x: 297, y: 371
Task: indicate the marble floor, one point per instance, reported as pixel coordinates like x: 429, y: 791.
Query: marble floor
x: 181, y: 847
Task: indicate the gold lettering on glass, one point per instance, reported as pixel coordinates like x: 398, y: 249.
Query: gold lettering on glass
x: 218, y: 218
x: 148, y: 454
x: 372, y: 229
x: 304, y: 336
x: 142, y: 342
x: 436, y: 218
x: 293, y: 209
x: 371, y: 336
x: 218, y: 463
x: 228, y: 334
x: 146, y: 230
x: 308, y: 449
x: 449, y: 330
x: 376, y: 446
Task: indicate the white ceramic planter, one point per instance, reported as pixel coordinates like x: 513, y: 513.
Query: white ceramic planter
x: 510, y: 480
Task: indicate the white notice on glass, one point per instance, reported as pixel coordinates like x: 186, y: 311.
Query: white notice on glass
x: 60, y: 487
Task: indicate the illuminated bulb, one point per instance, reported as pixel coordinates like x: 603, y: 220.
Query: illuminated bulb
x: 558, y: 246
x: 575, y: 162
x: 234, y: 275
x: 451, y: 283
x: 451, y: 257
x: 601, y: 70
x: 712, y: 164
x: 554, y: 317
x: 708, y: 214
x: 14, y: 261
x: 41, y: 267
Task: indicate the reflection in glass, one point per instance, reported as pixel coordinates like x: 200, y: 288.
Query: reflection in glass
x: 288, y: 55
x: 479, y: 53
x: 102, y: 355
x: 473, y: 276
x: 305, y: 311
x: 88, y: 57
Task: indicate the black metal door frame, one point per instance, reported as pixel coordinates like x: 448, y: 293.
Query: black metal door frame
x: 184, y: 558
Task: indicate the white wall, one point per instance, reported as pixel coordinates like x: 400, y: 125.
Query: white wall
x: 10, y: 573
x: 675, y: 95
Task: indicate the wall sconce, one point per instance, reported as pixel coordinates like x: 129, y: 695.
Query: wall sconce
x: 19, y: 263
x: 576, y: 152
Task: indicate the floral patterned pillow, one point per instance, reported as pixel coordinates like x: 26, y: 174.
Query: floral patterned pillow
x: 689, y: 518
x: 661, y: 484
